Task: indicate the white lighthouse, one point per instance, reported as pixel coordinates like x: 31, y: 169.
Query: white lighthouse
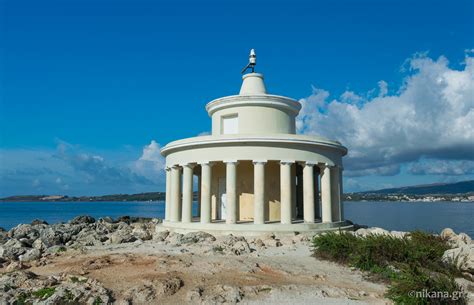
x: 254, y: 172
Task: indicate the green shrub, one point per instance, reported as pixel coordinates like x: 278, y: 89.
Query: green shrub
x: 410, y: 264
x: 44, y: 293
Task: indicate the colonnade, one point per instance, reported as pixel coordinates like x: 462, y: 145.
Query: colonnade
x: 179, y: 192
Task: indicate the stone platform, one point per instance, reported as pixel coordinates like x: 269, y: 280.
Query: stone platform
x: 249, y: 228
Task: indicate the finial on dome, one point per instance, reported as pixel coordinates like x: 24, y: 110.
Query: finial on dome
x: 252, y: 62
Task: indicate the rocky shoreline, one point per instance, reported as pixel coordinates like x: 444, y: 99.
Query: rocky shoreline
x: 133, y: 261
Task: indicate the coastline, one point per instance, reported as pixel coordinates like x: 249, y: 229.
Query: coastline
x: 132, y: 261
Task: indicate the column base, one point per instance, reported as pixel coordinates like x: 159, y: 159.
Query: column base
x: 249, y: 228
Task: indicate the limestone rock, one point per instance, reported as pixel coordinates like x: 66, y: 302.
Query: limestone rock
x: 30, y: 255
x: 197, y: 237
x: 83, y: 219
x: 38, y: 222
x: 161, y: 235
x: 462, y: 257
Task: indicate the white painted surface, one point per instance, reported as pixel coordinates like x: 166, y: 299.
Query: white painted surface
x: 222, y: 210
x: 230, y: 124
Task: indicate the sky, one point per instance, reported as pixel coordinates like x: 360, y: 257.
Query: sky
x: 91, y: 90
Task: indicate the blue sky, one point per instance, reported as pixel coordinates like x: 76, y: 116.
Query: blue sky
x: 90, y: 89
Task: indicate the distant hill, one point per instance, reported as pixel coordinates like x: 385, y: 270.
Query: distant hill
x: 430, y: 189
x: 154, y: 196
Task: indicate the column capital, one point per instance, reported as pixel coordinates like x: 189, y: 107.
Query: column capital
x: 168, y: 168
x: 175, y: 166
x: 324, y: 165
x: 206, y: 163
x: 190, y: 165
x: 231, y: 161
x: 259, y: 161
x: 309, y: 163
x: 286, y: 162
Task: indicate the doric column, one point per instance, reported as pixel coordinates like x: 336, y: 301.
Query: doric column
x: 259, y: 192
x: 206, y: 178
x: 286, y: 191
x: 175, y: 193
x: 326, y: 193
x: 317, y: 209
x: 187, y: 193
x: 308, y: 192
x: 168, y: 194
x: 335, y: 194
x: 341, y: 201
x: 199, y: 196
x: 231, y: 191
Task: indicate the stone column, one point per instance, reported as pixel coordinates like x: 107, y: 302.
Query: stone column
x: 175, y: 193
x: 308, y: 192
x: 168, y: 194
x: 259, y: 192
x: 199, y: 196
x: 231, y: 191
x: 317, y: 209
x: 326, y: 193
x: 341, y: 201
x: 206, y: 178
x: 286, y: 191
x: 335, y: 194
x: 187, y: 193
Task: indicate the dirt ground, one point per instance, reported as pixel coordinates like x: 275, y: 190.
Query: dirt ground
x: 152, y: 272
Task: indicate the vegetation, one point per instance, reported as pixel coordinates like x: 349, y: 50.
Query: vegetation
x: 412, y: 265
x: 44, y: 293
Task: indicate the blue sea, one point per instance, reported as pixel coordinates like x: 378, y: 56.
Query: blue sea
x: 401, y: 216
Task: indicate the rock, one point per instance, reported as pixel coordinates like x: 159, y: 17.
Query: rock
x: 55, y: 249
x: 462, y: 257
x: 106, y: 219
x: 175, y: 238
x: 197, y: 237
x: 447, y: 233
x: 398, y: 234
x: 38, y: 222
x: 120, y: 237
x: 3, y: 237
x: 237, y: 245
x: 15, y: 266
x: 161, y: 235
x: 30, y: 255
x: 12, y: 249
x: 51, y: 237
x: 141, y: 231
x: 83, y: 219
x: 168, y: 286
x: 144, y: 294
x: 371, y: 231
x: 272, y: 243
x: 455, y: 241
x: 259, y: 243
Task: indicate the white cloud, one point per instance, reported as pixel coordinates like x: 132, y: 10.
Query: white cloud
x: 442, y: 167
x: 151, y: 164
x: 432, y: 116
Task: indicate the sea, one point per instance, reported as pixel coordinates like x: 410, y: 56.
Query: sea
x: 400, y: 216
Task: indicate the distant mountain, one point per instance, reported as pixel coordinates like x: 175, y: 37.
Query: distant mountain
x: 430, y: 189
x: 117, y: 197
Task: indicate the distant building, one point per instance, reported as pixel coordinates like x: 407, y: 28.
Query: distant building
x: 254, y: 172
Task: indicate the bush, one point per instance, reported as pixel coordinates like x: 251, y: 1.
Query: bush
x: 410, y: 264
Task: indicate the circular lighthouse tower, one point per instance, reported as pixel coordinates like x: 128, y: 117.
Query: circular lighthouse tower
x: 254, y: 172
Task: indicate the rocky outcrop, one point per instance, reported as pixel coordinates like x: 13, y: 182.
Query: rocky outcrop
x: 29, y: 242
x: 462, y: 252
x: 24, y: 287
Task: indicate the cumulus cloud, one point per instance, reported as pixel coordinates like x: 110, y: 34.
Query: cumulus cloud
x: 96, y: 169
x: 151, y: 163
x: 430, y: 116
